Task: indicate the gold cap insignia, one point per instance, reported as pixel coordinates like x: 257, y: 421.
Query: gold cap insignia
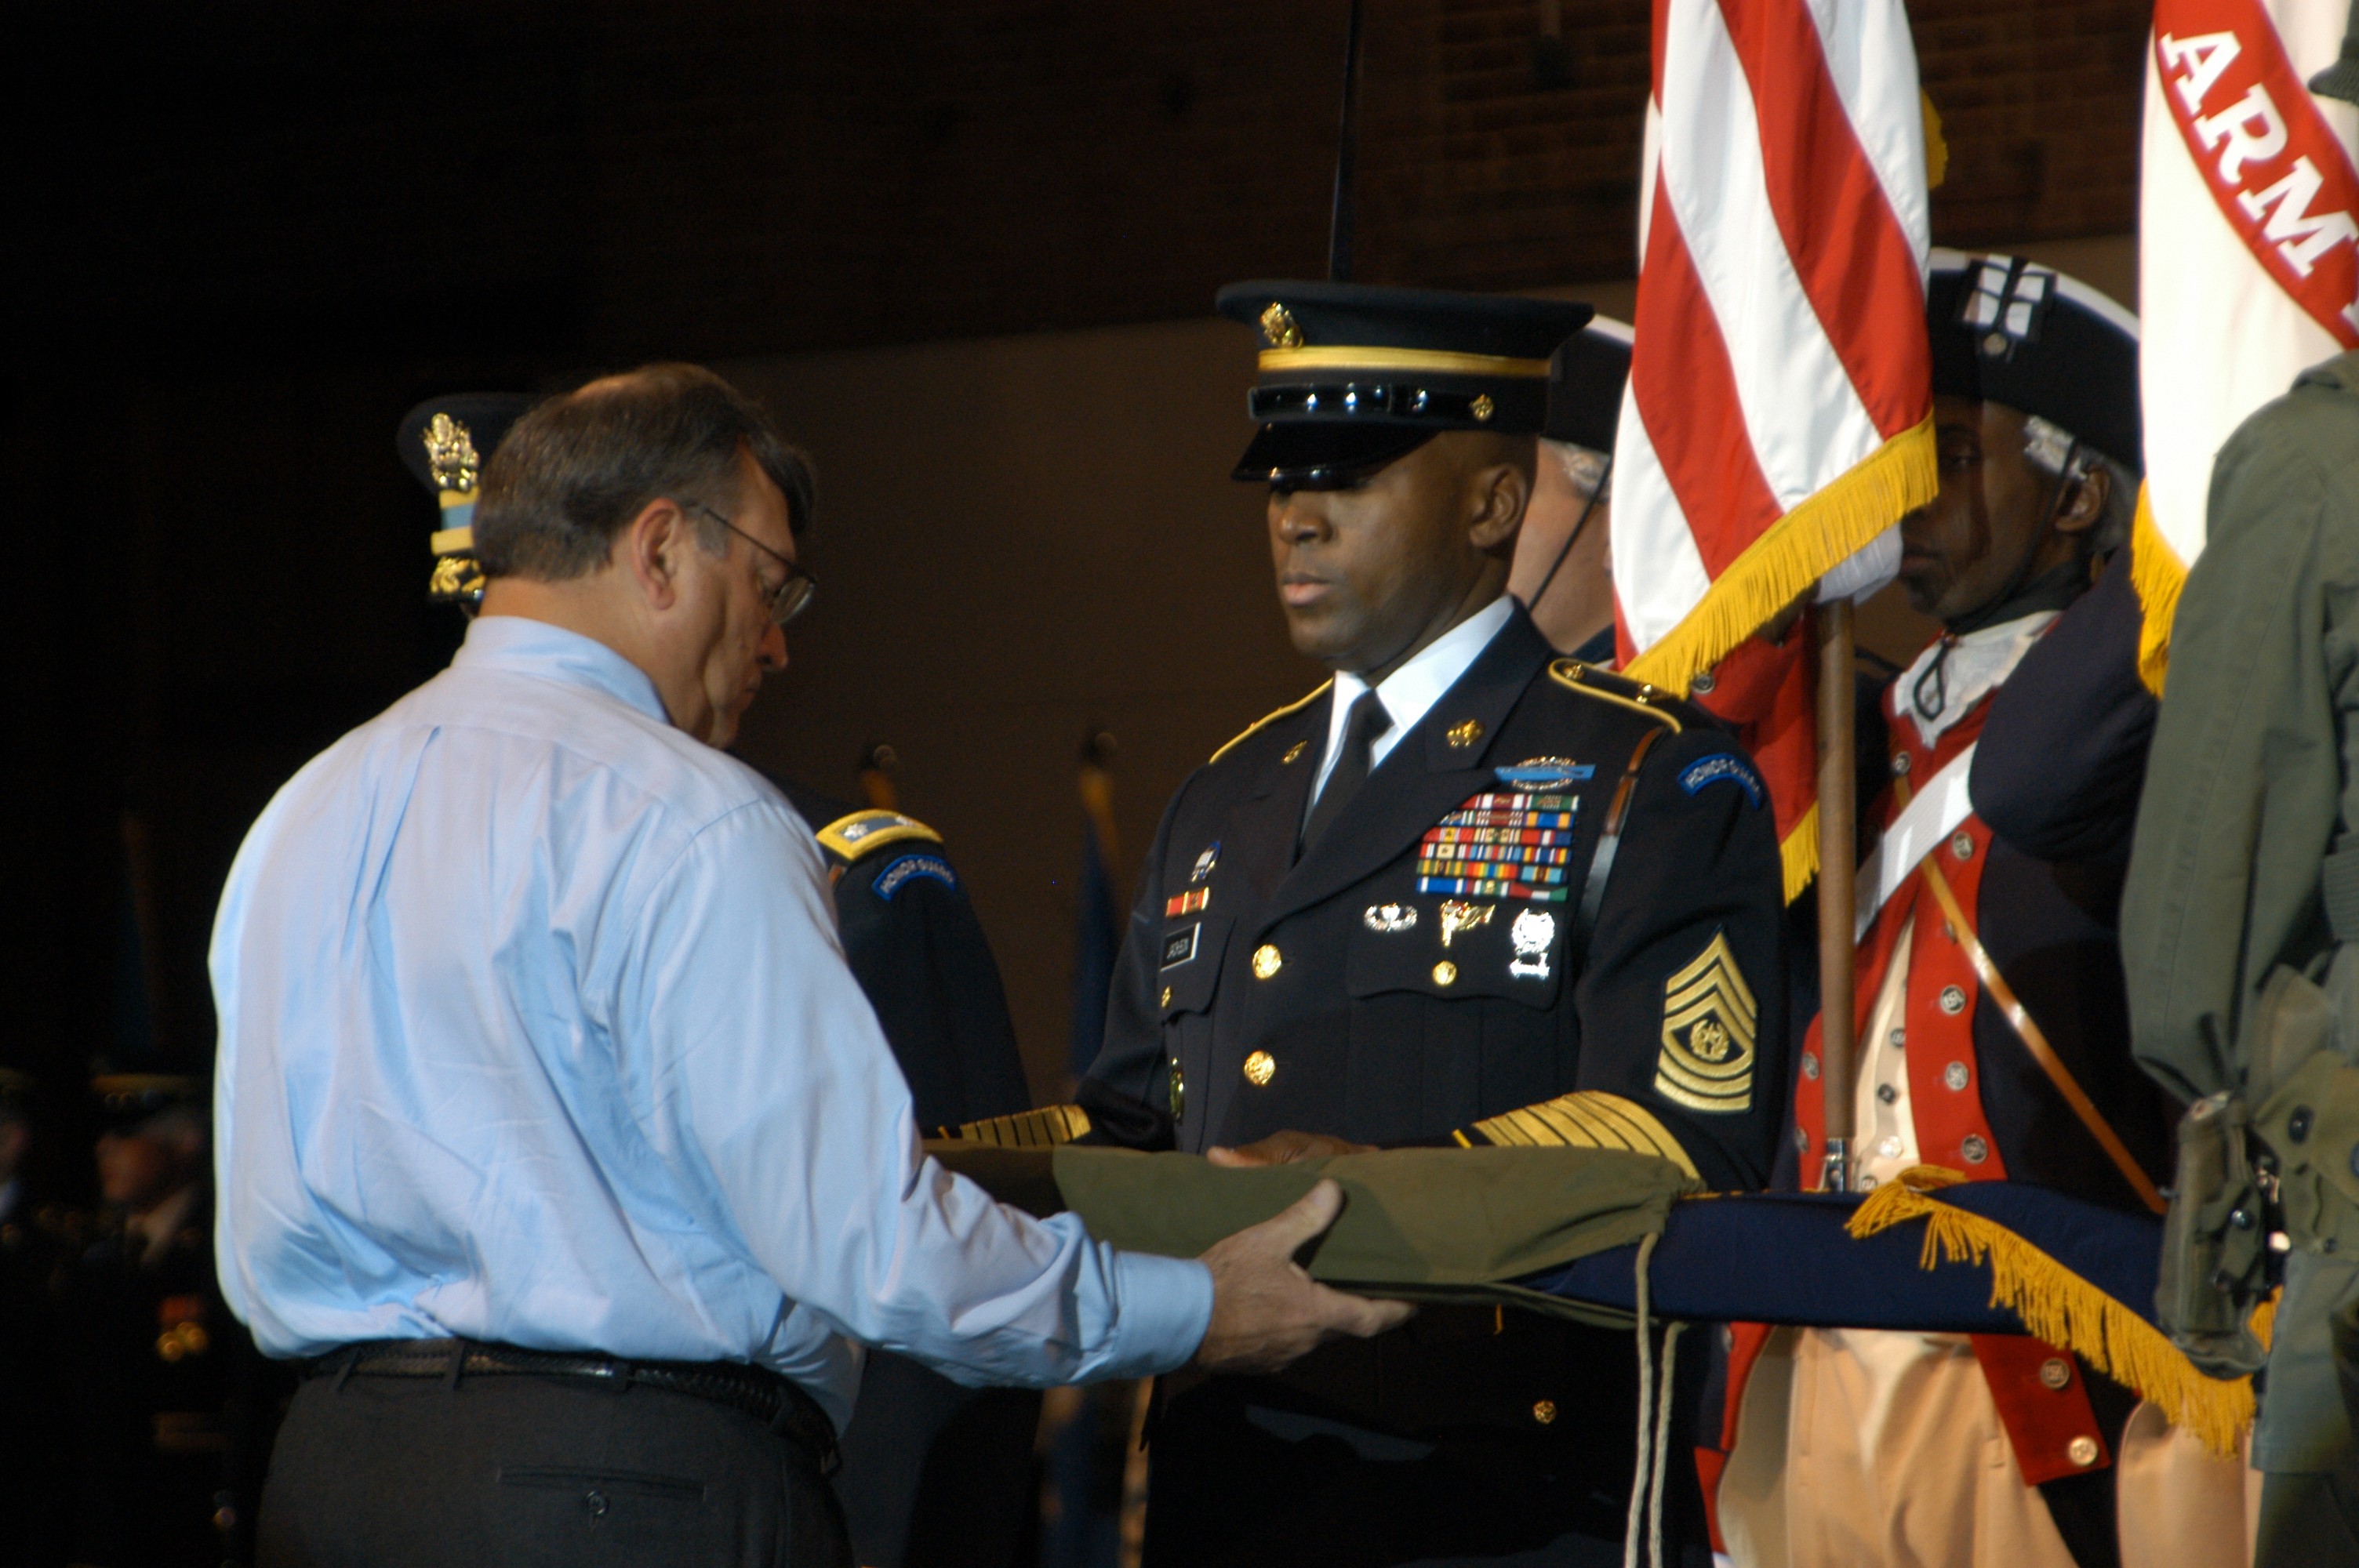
x: 451, y: 453
x: 1279, y: 325
x: 1482, y: 407
x: 1709, y: 1018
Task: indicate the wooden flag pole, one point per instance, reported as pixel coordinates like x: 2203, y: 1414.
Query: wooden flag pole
x: 1838, y: 895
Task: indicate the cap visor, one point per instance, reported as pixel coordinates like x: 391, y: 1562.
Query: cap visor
x: 1309, y: 454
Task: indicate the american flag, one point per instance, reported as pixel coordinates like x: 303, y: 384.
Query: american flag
x: 1778, y: 421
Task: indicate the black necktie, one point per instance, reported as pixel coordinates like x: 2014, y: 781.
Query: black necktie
x: 1366, y: 720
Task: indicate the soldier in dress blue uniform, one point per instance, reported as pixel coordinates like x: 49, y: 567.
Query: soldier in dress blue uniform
x: 930, y: 1473
x: 1467, y: 892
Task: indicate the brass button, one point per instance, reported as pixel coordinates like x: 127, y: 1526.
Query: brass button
x: 1974, y: 1149
x: 1885, y: 1094
x: 1809, y: 1064
x: 1962, y: 846
x: 1166, y: 996
x: 1445, y: 973
x: 1178, y: 1093
x: 1953, y: 1000
x: 1900, y: 765
x: 1260, y: 1067
x: 1266, y: 961
x: 1956, y: 1078
x: 2056, y: 1372
x: 1544, y: 1410
x: 2082, y: 1451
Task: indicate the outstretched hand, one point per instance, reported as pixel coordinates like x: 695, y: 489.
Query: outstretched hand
x: 1267, y: 1309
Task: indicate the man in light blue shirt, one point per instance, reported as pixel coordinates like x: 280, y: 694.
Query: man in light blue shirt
x: 550, y: 1123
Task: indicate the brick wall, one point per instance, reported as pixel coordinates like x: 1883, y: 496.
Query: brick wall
x: 249, y: 237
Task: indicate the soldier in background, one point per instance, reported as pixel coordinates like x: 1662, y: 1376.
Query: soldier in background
x: 1563, y: 574
x: 32, y: 1255
x: 932, y: 1473
x: 167, y: 1464
x: 2237, y: 933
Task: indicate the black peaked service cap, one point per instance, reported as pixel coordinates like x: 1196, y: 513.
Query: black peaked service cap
x: 2041, y: 342
x: 1353, y: 376
x: 1585, y: 383
x: 445, y: 442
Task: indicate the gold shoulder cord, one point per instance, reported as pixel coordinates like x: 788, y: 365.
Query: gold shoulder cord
x: 1269, y: 719
x: 1574, y: 675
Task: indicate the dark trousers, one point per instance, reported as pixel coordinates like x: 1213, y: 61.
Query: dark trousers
x: 423, y: 1473
x: 1242, y: 1475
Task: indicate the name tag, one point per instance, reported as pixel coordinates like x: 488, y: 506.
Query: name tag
x: 1180, y: 947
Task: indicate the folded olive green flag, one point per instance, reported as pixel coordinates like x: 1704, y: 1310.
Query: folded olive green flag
x: 1456, y: 1224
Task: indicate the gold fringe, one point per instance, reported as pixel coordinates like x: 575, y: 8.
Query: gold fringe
x: 1800, y: 850
x: 2156, y: 574
x: 2062, y: 1309
x: 1821, y: 532
x: 1936, y: 146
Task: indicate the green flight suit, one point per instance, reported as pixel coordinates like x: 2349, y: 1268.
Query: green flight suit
x: 2243, y: 906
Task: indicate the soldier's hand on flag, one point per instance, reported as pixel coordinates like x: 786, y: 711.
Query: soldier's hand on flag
x: 1267, y: 1309
x: 1284, y: 1148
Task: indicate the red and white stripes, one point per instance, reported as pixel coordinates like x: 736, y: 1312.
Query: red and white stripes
x: 1774, y: 422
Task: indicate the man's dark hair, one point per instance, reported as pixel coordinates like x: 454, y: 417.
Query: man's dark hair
x: 575, y: 470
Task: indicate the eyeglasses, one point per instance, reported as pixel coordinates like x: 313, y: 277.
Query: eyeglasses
x: 790, y: 598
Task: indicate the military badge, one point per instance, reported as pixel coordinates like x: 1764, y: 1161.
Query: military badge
x: 1205, y: 862
x: 1709, y: 1019
x: 897, y: 875
x: 1532, y: 932
x: 451, y: 453
x: 1464, y: 733
x: 1723, y: 767
x: 1277, y: 325
x: 1458, y: 916
x: 1187, y: 903
x: 1500, y: 845
x: 1389, y: 918
x: 1544, y: 772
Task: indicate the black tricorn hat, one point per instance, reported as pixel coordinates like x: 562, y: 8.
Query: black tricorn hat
x: 446, y: 441
x: 2043, y: 343
x: 1353, y: 376
x: 1585, y: 384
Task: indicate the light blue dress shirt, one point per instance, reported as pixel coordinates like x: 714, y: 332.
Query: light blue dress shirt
x: 535, y: 1027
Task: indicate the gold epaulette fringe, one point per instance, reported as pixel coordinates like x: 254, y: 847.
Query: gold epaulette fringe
x: 1822, y: 531
x: 1042, y: 1129
x: 2061, y: 1308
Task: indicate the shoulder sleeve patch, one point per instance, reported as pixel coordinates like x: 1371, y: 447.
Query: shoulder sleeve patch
x: 1723, y: 767
x: 911, y: 868
x: 1602, y: 685
x: 1295, y: 706
x: 863, y: 832
x: 1709, y: 1021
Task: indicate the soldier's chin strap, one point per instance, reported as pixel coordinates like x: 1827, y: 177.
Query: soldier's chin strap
x: 1596, y: 494
x: 2023, y: 595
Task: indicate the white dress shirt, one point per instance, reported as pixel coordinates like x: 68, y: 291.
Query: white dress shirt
x: 1410, y: 691
x: 535, y: 1027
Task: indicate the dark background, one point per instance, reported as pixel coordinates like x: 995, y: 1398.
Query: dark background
x: 965, y: 250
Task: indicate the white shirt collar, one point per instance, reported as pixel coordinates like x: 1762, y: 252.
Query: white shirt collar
x: 1410, y: 691
x: 1979, y: 663
x: 530, y: 647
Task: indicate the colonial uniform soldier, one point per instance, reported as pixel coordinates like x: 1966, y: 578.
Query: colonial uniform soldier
x: 1467, y: 892
x: 2237, y: 938
x: 1992, y: 1025
x: 930, y: 1471
x: 166, y: 1447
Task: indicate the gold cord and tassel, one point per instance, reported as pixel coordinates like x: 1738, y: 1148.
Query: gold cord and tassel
x: 2061, y: 1308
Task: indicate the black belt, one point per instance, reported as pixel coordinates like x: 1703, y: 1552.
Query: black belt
x: 776, y: 1402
